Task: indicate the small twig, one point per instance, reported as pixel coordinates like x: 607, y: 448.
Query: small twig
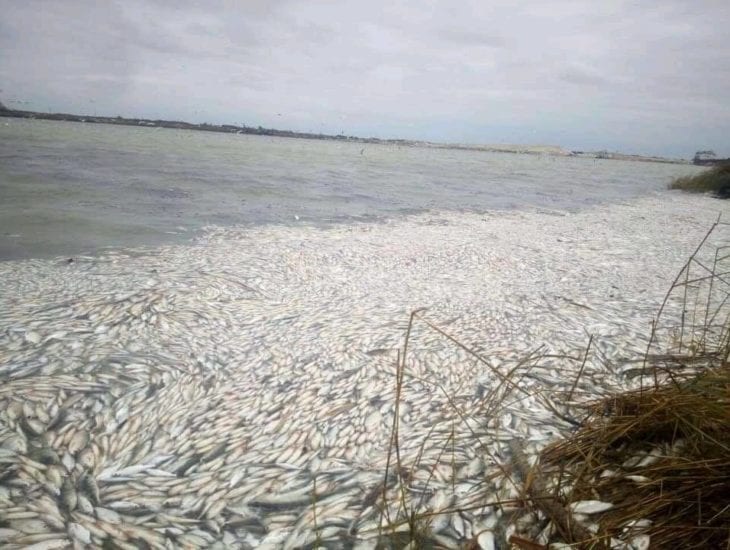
x: 580, y: 372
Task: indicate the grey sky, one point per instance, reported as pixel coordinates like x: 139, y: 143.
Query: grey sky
x: 647, y: 77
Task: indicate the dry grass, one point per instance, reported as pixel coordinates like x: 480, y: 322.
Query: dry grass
x: 715, y: 180
x: 659, y: 454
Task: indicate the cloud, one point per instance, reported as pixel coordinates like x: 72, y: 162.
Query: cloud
x: 583, y: 76
x: 649, y: 76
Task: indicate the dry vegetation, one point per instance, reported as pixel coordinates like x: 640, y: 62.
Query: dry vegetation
x: 658, y: 456
x: 662, y: 457
x: 715, y: 180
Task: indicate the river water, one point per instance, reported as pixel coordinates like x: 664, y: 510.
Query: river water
x: 68, y: 188
x: 238, y: 389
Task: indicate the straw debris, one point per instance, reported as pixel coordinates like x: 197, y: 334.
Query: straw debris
x: 661, y: 457
x: 651, y: 466
x: 634, y: 469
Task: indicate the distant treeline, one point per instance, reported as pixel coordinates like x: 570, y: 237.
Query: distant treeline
x: 180, y: 125
x: 261, y: 131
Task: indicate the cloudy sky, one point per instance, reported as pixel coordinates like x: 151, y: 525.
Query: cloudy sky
x: 648, y: 76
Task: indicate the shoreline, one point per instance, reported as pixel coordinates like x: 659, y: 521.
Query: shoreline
x: 94, y: 185
x: 201, y: 235
x: 548, y: 150
x: 226, y: 378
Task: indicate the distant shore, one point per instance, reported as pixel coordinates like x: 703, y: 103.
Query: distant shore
x: 551, y: 150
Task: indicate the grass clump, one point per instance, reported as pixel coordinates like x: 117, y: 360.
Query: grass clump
x: 716, y: 181
x: 643, y: 468
x: 660, y: 454
x: 661, y: 457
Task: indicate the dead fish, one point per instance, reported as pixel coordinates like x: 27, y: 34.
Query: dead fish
x: 69, y: 497
x: 79, y: 533
x: 590, y: 506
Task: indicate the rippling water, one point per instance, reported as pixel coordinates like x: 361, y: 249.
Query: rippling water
x: 238, y: 391
x: 68, y: 188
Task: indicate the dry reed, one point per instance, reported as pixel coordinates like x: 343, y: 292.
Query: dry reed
x: 660, y: 454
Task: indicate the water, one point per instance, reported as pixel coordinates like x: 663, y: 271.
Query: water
x: 218, y: 394
x: 69, y: 188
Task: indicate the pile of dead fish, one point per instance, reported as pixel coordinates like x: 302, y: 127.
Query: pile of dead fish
x: 240, y: 391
